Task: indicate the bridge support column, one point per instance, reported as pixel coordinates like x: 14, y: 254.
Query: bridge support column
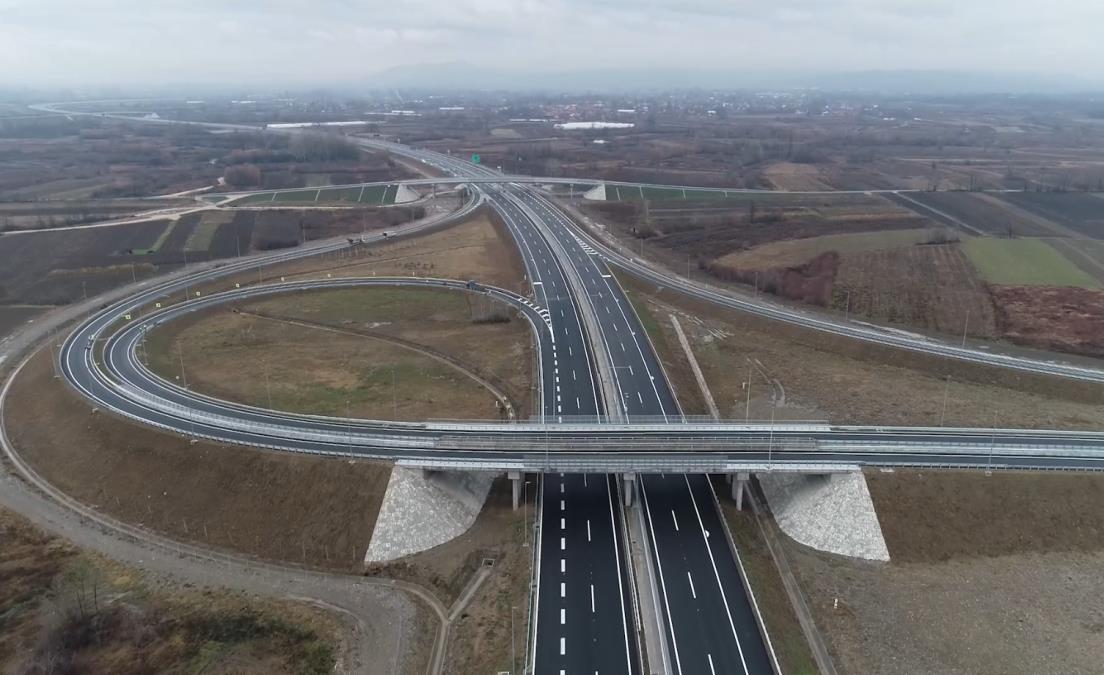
x: 628, y: 486
x: 739, y: 484
x: 515, y: 483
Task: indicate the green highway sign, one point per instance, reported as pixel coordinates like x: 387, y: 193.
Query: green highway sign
x: 476, y: 159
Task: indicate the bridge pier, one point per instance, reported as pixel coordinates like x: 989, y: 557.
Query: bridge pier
x: 738, y: 482
x: 515, y: 483
x: 628, y: 485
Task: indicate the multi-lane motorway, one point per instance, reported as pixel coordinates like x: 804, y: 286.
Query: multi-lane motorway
x: 714, y: 631
x: 597, y: 366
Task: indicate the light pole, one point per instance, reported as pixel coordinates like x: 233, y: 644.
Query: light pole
x: 965, y: 326
x: 268, y: 386
x: 770, y: 442
x: 747, y: 406
x: 183, y: 375
x: 992, y: 446
x: 513, y: 641
x: 349, y: 427
x: 946, y: 392
x: 847, y: 306
x: 525, y: 511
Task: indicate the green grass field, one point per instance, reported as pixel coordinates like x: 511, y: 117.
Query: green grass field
x: 1024, y: 262
x: 201, y: 237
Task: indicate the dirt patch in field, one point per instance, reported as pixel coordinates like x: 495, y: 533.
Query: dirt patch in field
x: 1062, y: 319
x: 799, y: 374
x: 981, y: 515
x: 990, y: 574
x: 377, y: 353
x: 278, y: 506
x: 792, y: 176
x: 64, y: 611
x: 15, y: 317
x: 1028, y: 613
x: 480, y: 637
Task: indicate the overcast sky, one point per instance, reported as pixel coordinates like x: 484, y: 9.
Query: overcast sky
x: 75, y: 42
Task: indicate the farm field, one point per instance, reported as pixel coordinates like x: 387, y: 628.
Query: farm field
x: 368, y: 195
x: 1077, y: 211
x: 60, y: 267
x: 1064, y: 319
x: 706, y: 230
x: 48, y: 214
x: 1024, y: 262
x: 798, y: 251
x: 985, y: 212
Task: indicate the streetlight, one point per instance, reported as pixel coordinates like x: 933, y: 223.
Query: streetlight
x: 525, y: 511
x: 946, y: 392
x: 747, y: 406
x: 513, y: 641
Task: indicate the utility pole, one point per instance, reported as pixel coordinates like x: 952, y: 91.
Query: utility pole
x: 394, y: 397
x: 847, y: 306
x: 965, y: 326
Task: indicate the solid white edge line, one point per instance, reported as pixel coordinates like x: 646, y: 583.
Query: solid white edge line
x: 716, y: 574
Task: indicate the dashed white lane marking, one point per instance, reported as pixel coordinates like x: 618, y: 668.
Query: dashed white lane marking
x: 563, y: 590
x: 561, y: 505
x: 607, y: 310
x: 563, y: 566
x: 691, y: 580
x: 622, y: 345
x: 708, y: 656
x: 577, y: 404
x: 563, y: 523
x: 592, y: 600
x: 674, y: 518
x: 574, y: 377
x: 639, y: 398
x: 563, y: 543
x: 563, y: 616
x: 561, y: 488
x: 563, y: 646
x: 588, y: 529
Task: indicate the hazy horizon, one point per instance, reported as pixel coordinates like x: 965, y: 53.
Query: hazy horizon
x: 61, y: 43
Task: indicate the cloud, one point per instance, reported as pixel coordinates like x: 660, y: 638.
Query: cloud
x: 272, y: 41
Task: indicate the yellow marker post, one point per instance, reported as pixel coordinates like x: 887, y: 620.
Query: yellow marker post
x: 157, y: 304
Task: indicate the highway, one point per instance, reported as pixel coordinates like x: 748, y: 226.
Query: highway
x: 612, y: 409
x: 716, y: 630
